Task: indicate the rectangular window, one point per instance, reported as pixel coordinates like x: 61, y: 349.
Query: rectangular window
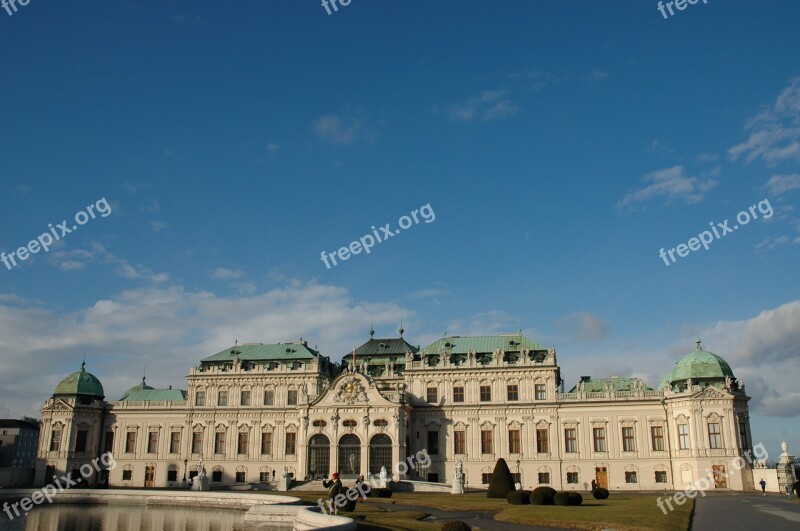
x: 513, y: 392
x: 244, y: 442
x: 599, y: 437
x: 714, y: 436
x: 571, y: 440
x: 290, y: 443
x: 486, y: 393
x: 630, y: 477
x: 109, y: 444
x: 460, y: 442
x: 80, y: 440
x: 542, y: 441
x: 486, y: 478
x: 127, y: 475
x: 219, y: 442
x: 661, y: 476
x: 458, y: 394
x: 291, y: 397
x: 263, y: 477
x: 216, y: 476
x: 269, y: 397
x: 657, y: 437
x: 240, y: 477
x: 433, y: 442
x: 245, y: 399
x: 683, y: 436
x: 175, y: 442
x: 541, y: 392
x: 223, y: 398
x: 514, y: 442
x: 55, y: 440
x: 197, y: 442
x: 266, y: 443
x: 172, y: 475
x: 431, y: 395
x: 486, y: 442
x: 628, y: 443
x: 572, y: 477
x: 200, y: 398
x: 743, y: 435
x: 152, y: 442
x: 544, y: 478
x: 130, y: 442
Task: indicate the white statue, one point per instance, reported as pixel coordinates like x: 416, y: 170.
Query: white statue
x: 201, y: 471
x: 383, y: 476
x: 458, y: 470
x: 785, y: 448
x: 304, y: 394
x: 285, y: 473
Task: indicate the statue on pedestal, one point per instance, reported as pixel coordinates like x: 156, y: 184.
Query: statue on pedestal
x: 458, y: 478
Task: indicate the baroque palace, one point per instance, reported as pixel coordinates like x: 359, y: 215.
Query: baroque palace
x: 253, y: 411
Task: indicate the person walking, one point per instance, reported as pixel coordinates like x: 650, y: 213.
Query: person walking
x: 763, y: 487
x: 334, y: 487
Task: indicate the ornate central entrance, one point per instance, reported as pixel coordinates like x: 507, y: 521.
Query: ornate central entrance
x: 349, y: 457
x: 319, y: 457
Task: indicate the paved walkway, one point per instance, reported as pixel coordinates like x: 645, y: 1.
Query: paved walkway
x: 737, y: 510
x: 475, y: 519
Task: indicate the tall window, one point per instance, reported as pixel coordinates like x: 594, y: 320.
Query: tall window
x: 223, y: 398
x: 432, y: 395
x: 245, y: 401
x: 175, y: 442
x: 109, y: 444
x: 219, y: 442
x: 459, y: 442
x: 197, y: 442
x: 130, y: 442
x: 291, y: 439
x: 542, y: 441
x: 743, y: 435
x: 628, y: 443
x: 599, y: 437
x: 714, y: 436
x: 657, y: 437
x: 541, y: 392
x: 486, y: 393
x: 266, y: 443
x: 683, y: 437
x: 291, y: 397
x: 269, y: 397
x: 486, y: 442
x: 244, y: 441
x: 513, y: 392
x: 433, y: 442
x: 80, y: 440
x: 458, y: 394
x: 152, y: 442
x: 55, y: 439
x: 514, y: 442
x: 200, y: 398
x: 571, y: 440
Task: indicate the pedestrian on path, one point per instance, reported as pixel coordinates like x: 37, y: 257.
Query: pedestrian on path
x: 763, y: 487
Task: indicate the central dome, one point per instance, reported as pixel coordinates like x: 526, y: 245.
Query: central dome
x: 701, y: 367
x: 80, y: 383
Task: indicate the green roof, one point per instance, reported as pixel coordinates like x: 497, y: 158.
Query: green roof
x: 262, y: 352
x: 396, y: 346
x: 154, y: 395
x: 80, y: 383
x: 620, y: 384
x: 141, y: 387
x: 699, y: 365
x: 462, y: 345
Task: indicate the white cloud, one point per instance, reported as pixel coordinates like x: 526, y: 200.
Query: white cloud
x: 583, y: 326
x: 488, y: 105
x: 780, y: 184
x: 772, y: 242
x: 669, y: 184
x: 774, y: 132
x: 222, y: 273
x: 335, y: 130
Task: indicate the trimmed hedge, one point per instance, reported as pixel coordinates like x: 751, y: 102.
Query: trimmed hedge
x: 349, y: 506
x: 575, y: 498
x: 600, y: 493
x: 519, y: 497
x: 502, y: 481
x: 561, y: 498
x: 543, y: 496
x: 456, y: 525
x: 382, y: 493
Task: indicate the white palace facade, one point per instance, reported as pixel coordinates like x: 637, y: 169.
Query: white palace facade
x: 252, y: 411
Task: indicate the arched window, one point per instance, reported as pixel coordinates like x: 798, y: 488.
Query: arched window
x: 319, y: 456
x: 380, y: 454
x: 349, y: 456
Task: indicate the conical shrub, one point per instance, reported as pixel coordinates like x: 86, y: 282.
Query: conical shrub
x: 502, y: 481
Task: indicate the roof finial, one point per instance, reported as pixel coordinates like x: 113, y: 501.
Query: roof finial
x: 371, y: 328
x: 83, y: 363
x: 401, y: 325
x: 699, y: 346
x: 144, y: 374
x: 236, y: 342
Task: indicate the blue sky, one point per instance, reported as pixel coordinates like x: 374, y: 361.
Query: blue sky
x: 561, y: 145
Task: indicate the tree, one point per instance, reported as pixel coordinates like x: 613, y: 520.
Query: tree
x: 502, y: 481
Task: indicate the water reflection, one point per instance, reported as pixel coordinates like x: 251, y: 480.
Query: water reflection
x: 131, y: 518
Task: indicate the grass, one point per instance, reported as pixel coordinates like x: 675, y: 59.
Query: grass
x: 370, y: 517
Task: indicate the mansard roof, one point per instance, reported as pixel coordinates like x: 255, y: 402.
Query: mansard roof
x: 480, y: 344
x: 259, y: 351
x: 154, y: 395
x: 396, y: 346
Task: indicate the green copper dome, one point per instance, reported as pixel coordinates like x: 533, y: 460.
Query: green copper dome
x: 141, y: 387
x: 80, y: 383
x: 701, y: 367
